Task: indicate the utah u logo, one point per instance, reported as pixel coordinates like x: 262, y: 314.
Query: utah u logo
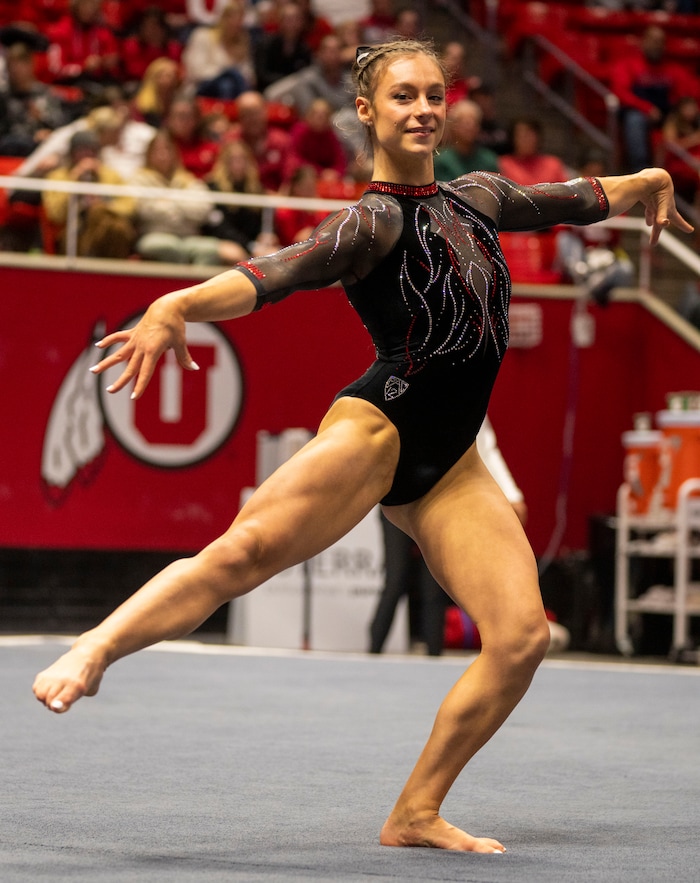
x: 183, y: 417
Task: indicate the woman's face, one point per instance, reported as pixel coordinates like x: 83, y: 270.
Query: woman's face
x: 407, y: 111
x: 526, y: 140
x: 231, y: 20
x: 166, y: 78
x: 162, y: 157
x: 182, y: 120
x: 237, y: 164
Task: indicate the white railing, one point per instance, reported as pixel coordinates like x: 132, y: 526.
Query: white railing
x: 674, y: 246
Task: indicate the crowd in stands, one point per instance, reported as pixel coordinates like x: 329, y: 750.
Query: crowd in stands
x: 239, y: 96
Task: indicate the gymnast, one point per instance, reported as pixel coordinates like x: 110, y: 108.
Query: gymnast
x: 421, y: 264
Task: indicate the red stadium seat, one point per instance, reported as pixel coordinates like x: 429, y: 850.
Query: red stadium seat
x: 530, y: 257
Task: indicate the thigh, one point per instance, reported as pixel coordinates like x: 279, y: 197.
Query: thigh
x: 476, y: 548
x: 325, y: 489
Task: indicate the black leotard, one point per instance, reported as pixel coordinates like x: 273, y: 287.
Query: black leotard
x: 423, y: 268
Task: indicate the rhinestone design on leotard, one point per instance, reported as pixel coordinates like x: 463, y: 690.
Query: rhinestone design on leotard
x: 457, y: 293
x: 415, y: 191
x: 422, y: 266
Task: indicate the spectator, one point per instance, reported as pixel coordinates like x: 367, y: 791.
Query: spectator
x: 236, y: 171
x: 171, y: 229
x: 285, y: 51
x: 464, y: 153
x: 460, y: 83
x: 150, y: 39
x: 40, y: 13
x: 648, y: 84
x: 327, y: 77
x: 526, y: 164
x: 270, y: 145
x: 294, y: 224
x: 349, y: 33
x: 316, y: 27
x: 314, y: 142
x: 82, y: 51
x: 123, y: 141
x: 493, y: 133
x: 682, y: 130
x: 409, y: 23
x: 592, y: 257
x: 122, y: 149
x: 380, y: 24
x: 184, y: 121
x: 29, y: 109
x: 105, y: 224
x: 218, y: 61
x: 158, y: 88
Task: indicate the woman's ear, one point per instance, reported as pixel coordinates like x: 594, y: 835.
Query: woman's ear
x: 363, y: 111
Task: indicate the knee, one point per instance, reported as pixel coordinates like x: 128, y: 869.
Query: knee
x: 234, y: 561
x: 521, y: 648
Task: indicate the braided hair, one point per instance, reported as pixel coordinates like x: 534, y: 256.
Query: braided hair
x: 370, y: 61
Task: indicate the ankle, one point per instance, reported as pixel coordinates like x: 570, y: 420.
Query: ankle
x: 93, y: 650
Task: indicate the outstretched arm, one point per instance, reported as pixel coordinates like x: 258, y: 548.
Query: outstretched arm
x: 226, y: 296
x: 347, y: 244
x: 653, y: 188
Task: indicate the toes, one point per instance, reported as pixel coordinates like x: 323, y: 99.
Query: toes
x: 57, y: 697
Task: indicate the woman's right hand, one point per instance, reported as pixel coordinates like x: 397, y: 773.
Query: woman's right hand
x: 162, y: 327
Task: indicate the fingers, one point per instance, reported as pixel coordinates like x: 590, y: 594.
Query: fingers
x: 141, y: 360
x: 663, y: 214
x: 142, y: 369
x: 184, y: 358
x: 140, y: 365
x: 114, y: 358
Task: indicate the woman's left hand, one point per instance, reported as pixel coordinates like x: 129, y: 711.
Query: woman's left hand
x: 660, y: 210
x: 161, y: 328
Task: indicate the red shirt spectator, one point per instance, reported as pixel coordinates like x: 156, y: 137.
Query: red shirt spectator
x: 459, y: 82
x: 184, y: 122
x: 527, y: 164
x: 83, y: 50
x: 292, y: 224
x: 150, y: 40
x: 41, y: 13
x: 380, y: 24
x: 317, y: 27
x: 647, y: 81
x: 315, y: 143
x: 271, y: 145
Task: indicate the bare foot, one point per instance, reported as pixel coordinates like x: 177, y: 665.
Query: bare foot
x: 432, y: 830
x: 75, y: 674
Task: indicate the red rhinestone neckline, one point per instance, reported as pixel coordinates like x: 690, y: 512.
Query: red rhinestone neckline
x: 403, y: 189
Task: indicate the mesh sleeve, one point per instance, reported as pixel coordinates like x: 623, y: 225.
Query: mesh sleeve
x: 517, y: 207
x: 344, y: 247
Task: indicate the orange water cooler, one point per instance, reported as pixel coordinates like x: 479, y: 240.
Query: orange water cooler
x: 680, y: 451
x: 642, y: 469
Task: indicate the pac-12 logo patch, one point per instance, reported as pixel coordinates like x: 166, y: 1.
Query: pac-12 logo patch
x: 394, y: 387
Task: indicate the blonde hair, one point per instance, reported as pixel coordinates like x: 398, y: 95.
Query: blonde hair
x: 148, y: 99
x: 240, y: 48
x: 371, y: 61
x: 220, y: 174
